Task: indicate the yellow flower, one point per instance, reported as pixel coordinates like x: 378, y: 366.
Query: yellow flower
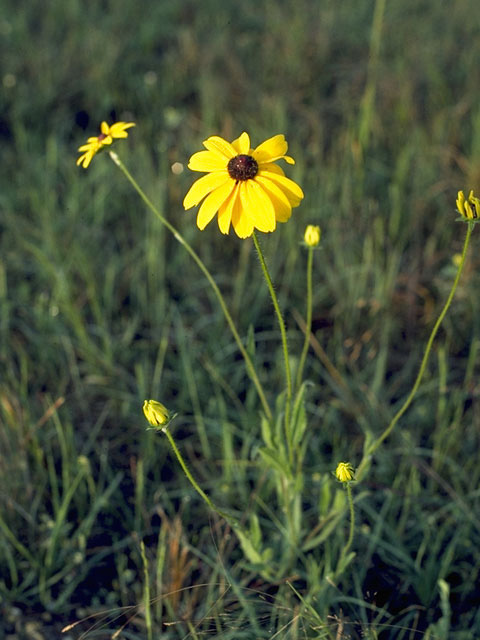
x: 244, y: 185
x: 468, y: 208
x: 106, y: 137
x: 312, y: 236
x: 345, y: 472
x: 156, y: 414
x: 90, y: 149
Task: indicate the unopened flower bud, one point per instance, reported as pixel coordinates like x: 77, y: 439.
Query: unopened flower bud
x: 345, y: 472
x: 156, y: 413
x: 312, y: 235
x: 468, y: 208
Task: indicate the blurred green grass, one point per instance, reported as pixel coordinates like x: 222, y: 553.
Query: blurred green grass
x: 100, y: 309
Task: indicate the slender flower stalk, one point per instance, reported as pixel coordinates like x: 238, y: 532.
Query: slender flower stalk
x: 376, y: 443
x: 248, y: 362
x: 195, y: 484
x: 352, y: 520
x: 286, y: 358
x: 312, y: 239
x: 345, y: 473
x: 146, y: 593
x: 159, y: 417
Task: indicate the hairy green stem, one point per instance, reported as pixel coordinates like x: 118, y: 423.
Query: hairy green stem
x: 283, y: 333
x: 374, y: 446
x: 248, y: 362
x: 146, y: 595
x: 308, y: 323
x: 352, y: 520
x: 351, y: 530
x: 194, y: 483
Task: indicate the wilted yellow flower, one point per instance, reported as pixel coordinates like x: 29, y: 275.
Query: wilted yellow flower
x: 244, y: 185
x: 156, y: 413
x: 468, y: 208
x: 345, y: 472
x: 312, y: 235
x: 106, y: 137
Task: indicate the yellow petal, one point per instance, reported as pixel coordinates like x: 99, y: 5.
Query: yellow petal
x: 118, y: 133
x: 258, y: 205
x: 212, y: 203
x: 226, y: 210
x: 269, y: 166
x: 241, y: 221
x: 215, y: 143
x: 207, y: 161
x: 281, y: 204
x: 87, y: 147
x: 85, y: 159
x: 271, y: 150
x: 104, y: 128
x: 118, y: 130
x: 242, y: 144
x: 289, y: 187
x: 203, y: 186
x: 459, y: 202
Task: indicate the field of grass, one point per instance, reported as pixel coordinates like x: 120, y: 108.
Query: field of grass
x: 101, y: 308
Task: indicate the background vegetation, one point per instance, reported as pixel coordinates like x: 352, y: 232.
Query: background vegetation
x: 100, y: 309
